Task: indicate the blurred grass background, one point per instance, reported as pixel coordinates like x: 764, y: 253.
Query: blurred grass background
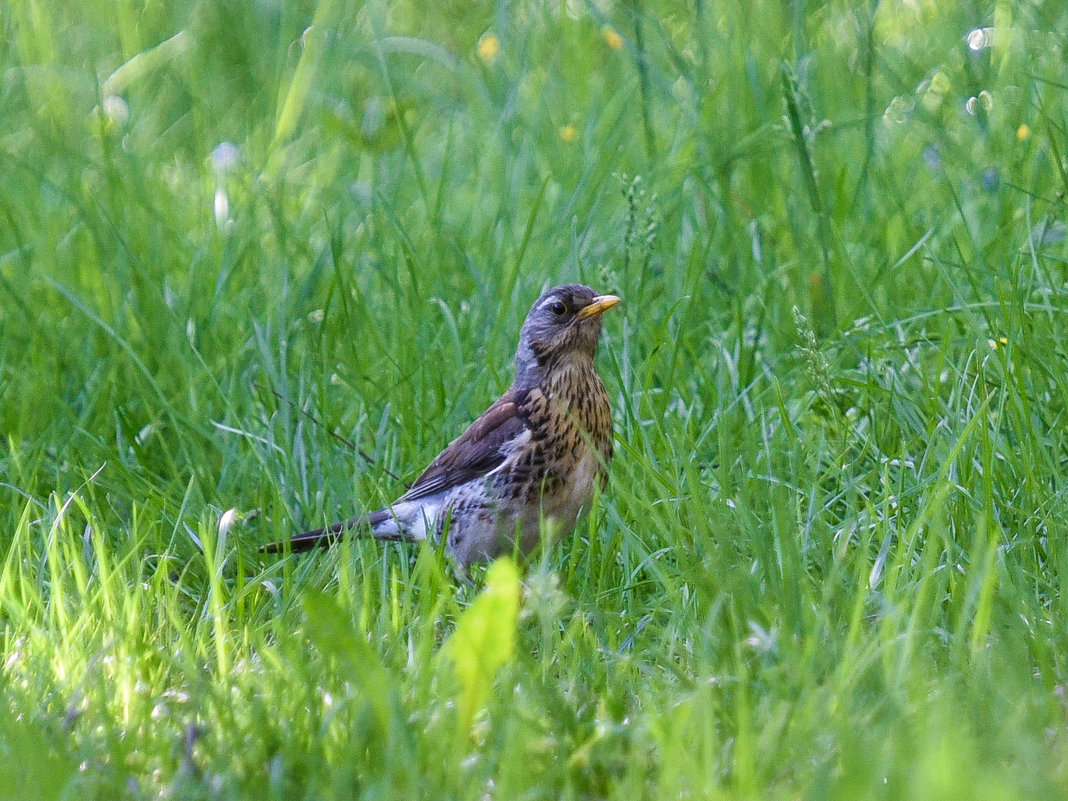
x: 242, y: 243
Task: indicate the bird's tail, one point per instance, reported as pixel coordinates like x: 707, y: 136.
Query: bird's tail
x: 325, y: 537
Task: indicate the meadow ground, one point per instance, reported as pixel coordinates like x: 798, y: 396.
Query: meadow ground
x: 254, y: 257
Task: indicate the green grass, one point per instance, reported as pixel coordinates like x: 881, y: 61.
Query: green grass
x: 831, y: 562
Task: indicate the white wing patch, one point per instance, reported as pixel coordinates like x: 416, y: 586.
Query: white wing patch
x: 414, y: 519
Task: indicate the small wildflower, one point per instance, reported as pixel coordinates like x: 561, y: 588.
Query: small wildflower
x: 983, y: 101
x: 221, y: 207
x: 612, y: 37
x: 116, y: 109
x: 489, y: 46
x: 1023, y: 132
x: 932, y: 158
x: 979, y: 39
x: 568, y: 133
x: 225, y: 156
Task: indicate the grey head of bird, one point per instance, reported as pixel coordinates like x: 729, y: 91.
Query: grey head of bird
x: 563, y: 325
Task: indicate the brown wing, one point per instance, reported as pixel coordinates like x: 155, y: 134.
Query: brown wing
x: 475, y: 452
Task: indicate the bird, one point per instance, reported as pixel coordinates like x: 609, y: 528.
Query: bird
x: 528, y: 464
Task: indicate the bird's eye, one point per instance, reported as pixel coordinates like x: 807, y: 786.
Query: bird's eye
x: 558, y: 308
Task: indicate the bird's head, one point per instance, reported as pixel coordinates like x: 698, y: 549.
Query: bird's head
x: 563, y: 324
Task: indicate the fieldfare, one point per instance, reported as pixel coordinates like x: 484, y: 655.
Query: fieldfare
x: 531, y: 459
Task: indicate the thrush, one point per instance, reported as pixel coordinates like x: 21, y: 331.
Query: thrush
x: 529, y: 463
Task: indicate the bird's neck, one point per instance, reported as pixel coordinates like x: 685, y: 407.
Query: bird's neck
x: 551, y: 371
x: 570, y: 382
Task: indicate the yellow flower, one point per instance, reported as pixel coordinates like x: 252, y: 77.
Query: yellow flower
x: 568, y: 133
x: 1023, y: 132
x: 488, y: 47
x: 612, y: 37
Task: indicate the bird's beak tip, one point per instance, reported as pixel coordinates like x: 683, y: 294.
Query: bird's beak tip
x: 599, y: 305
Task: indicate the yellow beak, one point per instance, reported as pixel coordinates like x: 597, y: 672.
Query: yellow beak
x: 599, y: 305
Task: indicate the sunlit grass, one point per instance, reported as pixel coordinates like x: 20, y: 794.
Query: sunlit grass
x: 258, y: 264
